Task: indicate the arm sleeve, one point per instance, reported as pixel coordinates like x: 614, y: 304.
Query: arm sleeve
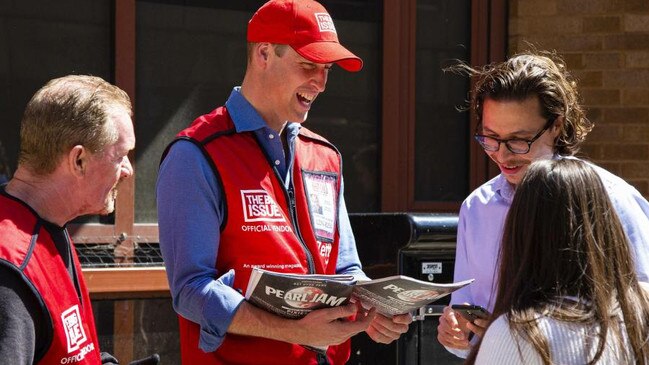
x: 633, y: 211
x: 19, y: 315
x: 462, y: 269
x: 461, y: 273
x: 190, y: 213
x: 348, y: 260
x: 108, y: 359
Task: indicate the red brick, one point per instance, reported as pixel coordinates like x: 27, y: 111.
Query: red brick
x: 604, y: 133
x: 588, y: 78
x: 626, y: 41
x: 635, y: 97
x: 637, y: 59
x: 611, y: 166
x: 553, y: 25
x: 591, y: 151
x: 601, y: 24
x: 635, y: 133
x: 624, y: 79
x: 570, y: 43
x: 634, y: 170
x: 594, y: 115
x: 600, y: 96
x: 574, y: 61
x: 581, y: 7
x: 626, y: 115
x: 535, y: 8
x: 602, y: 60
x: 625, y: 152
x: 573, y: 42
x: 516, y: 26
x: 636, y: 5
x: 636, y: 23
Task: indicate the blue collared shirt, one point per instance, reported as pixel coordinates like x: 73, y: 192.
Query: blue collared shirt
x: 190, y: 210
x: 480, y: 230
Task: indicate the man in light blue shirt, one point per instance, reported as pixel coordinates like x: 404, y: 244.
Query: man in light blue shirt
x: 527, y: 109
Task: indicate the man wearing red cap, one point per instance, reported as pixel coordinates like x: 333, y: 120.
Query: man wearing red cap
x: 238, y: 189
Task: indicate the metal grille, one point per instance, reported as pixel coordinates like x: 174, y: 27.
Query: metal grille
x: 92, y: 255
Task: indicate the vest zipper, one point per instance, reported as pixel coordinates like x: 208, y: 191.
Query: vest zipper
x: 294, y: 221
x: 290, y: 197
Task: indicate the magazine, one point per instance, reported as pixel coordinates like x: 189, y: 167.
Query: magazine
x: 295, y: 295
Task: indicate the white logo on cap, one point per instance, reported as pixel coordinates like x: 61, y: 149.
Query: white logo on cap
x: 324, y: 22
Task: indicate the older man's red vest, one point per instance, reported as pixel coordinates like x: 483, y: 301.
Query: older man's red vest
x: 268, y: 226
x: 27, y: 248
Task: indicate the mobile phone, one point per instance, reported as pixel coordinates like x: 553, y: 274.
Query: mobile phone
x: 471, y: 312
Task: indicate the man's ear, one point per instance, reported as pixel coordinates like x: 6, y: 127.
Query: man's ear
x: 77, y: 160
x: 262, y: 52
x: 557, y: 126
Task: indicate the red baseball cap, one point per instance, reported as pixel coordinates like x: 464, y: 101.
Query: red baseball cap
x: 304, y: 25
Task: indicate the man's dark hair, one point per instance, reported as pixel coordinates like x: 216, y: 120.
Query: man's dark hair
x: 527, y: 75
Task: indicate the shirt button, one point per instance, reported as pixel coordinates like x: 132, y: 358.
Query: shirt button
x: 276, y: 162
x: 271, y: 136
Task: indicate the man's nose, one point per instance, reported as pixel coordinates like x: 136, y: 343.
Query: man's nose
x: 502, y: 151
x: 127, y: 168
x: 320, y: 79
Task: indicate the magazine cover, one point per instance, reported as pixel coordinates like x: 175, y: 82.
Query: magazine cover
x: 294, y: 295
x: 401, y: 294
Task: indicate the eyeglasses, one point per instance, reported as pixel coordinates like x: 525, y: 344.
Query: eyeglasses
x: 518, y: 146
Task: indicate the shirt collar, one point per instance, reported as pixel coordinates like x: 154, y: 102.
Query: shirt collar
x: 504, y: 188
x: 245, y: 117
x: 293, y: 129
x: 243, y: 114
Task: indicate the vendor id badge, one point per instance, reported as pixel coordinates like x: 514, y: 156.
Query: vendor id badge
x: 320, y: 189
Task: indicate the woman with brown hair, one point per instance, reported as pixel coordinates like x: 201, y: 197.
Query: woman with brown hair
x: 567, y: 289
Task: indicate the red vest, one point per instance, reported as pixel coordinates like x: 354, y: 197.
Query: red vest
x: 27, y: 248
x: 267, y: 226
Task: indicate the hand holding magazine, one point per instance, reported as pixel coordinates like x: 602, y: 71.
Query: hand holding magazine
x: 295, y: 295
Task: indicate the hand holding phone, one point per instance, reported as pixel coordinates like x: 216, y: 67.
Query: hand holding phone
x: 471, y: 312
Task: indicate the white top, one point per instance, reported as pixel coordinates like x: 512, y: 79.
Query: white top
x: 568, y: 343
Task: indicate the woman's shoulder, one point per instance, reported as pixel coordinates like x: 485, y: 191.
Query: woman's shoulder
x: 501, y: 346
x: 499, y: 325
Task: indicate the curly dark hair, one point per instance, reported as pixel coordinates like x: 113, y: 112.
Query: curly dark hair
x: 525, y: 75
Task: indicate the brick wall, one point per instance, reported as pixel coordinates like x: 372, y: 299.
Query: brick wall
x: 606, y: 46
